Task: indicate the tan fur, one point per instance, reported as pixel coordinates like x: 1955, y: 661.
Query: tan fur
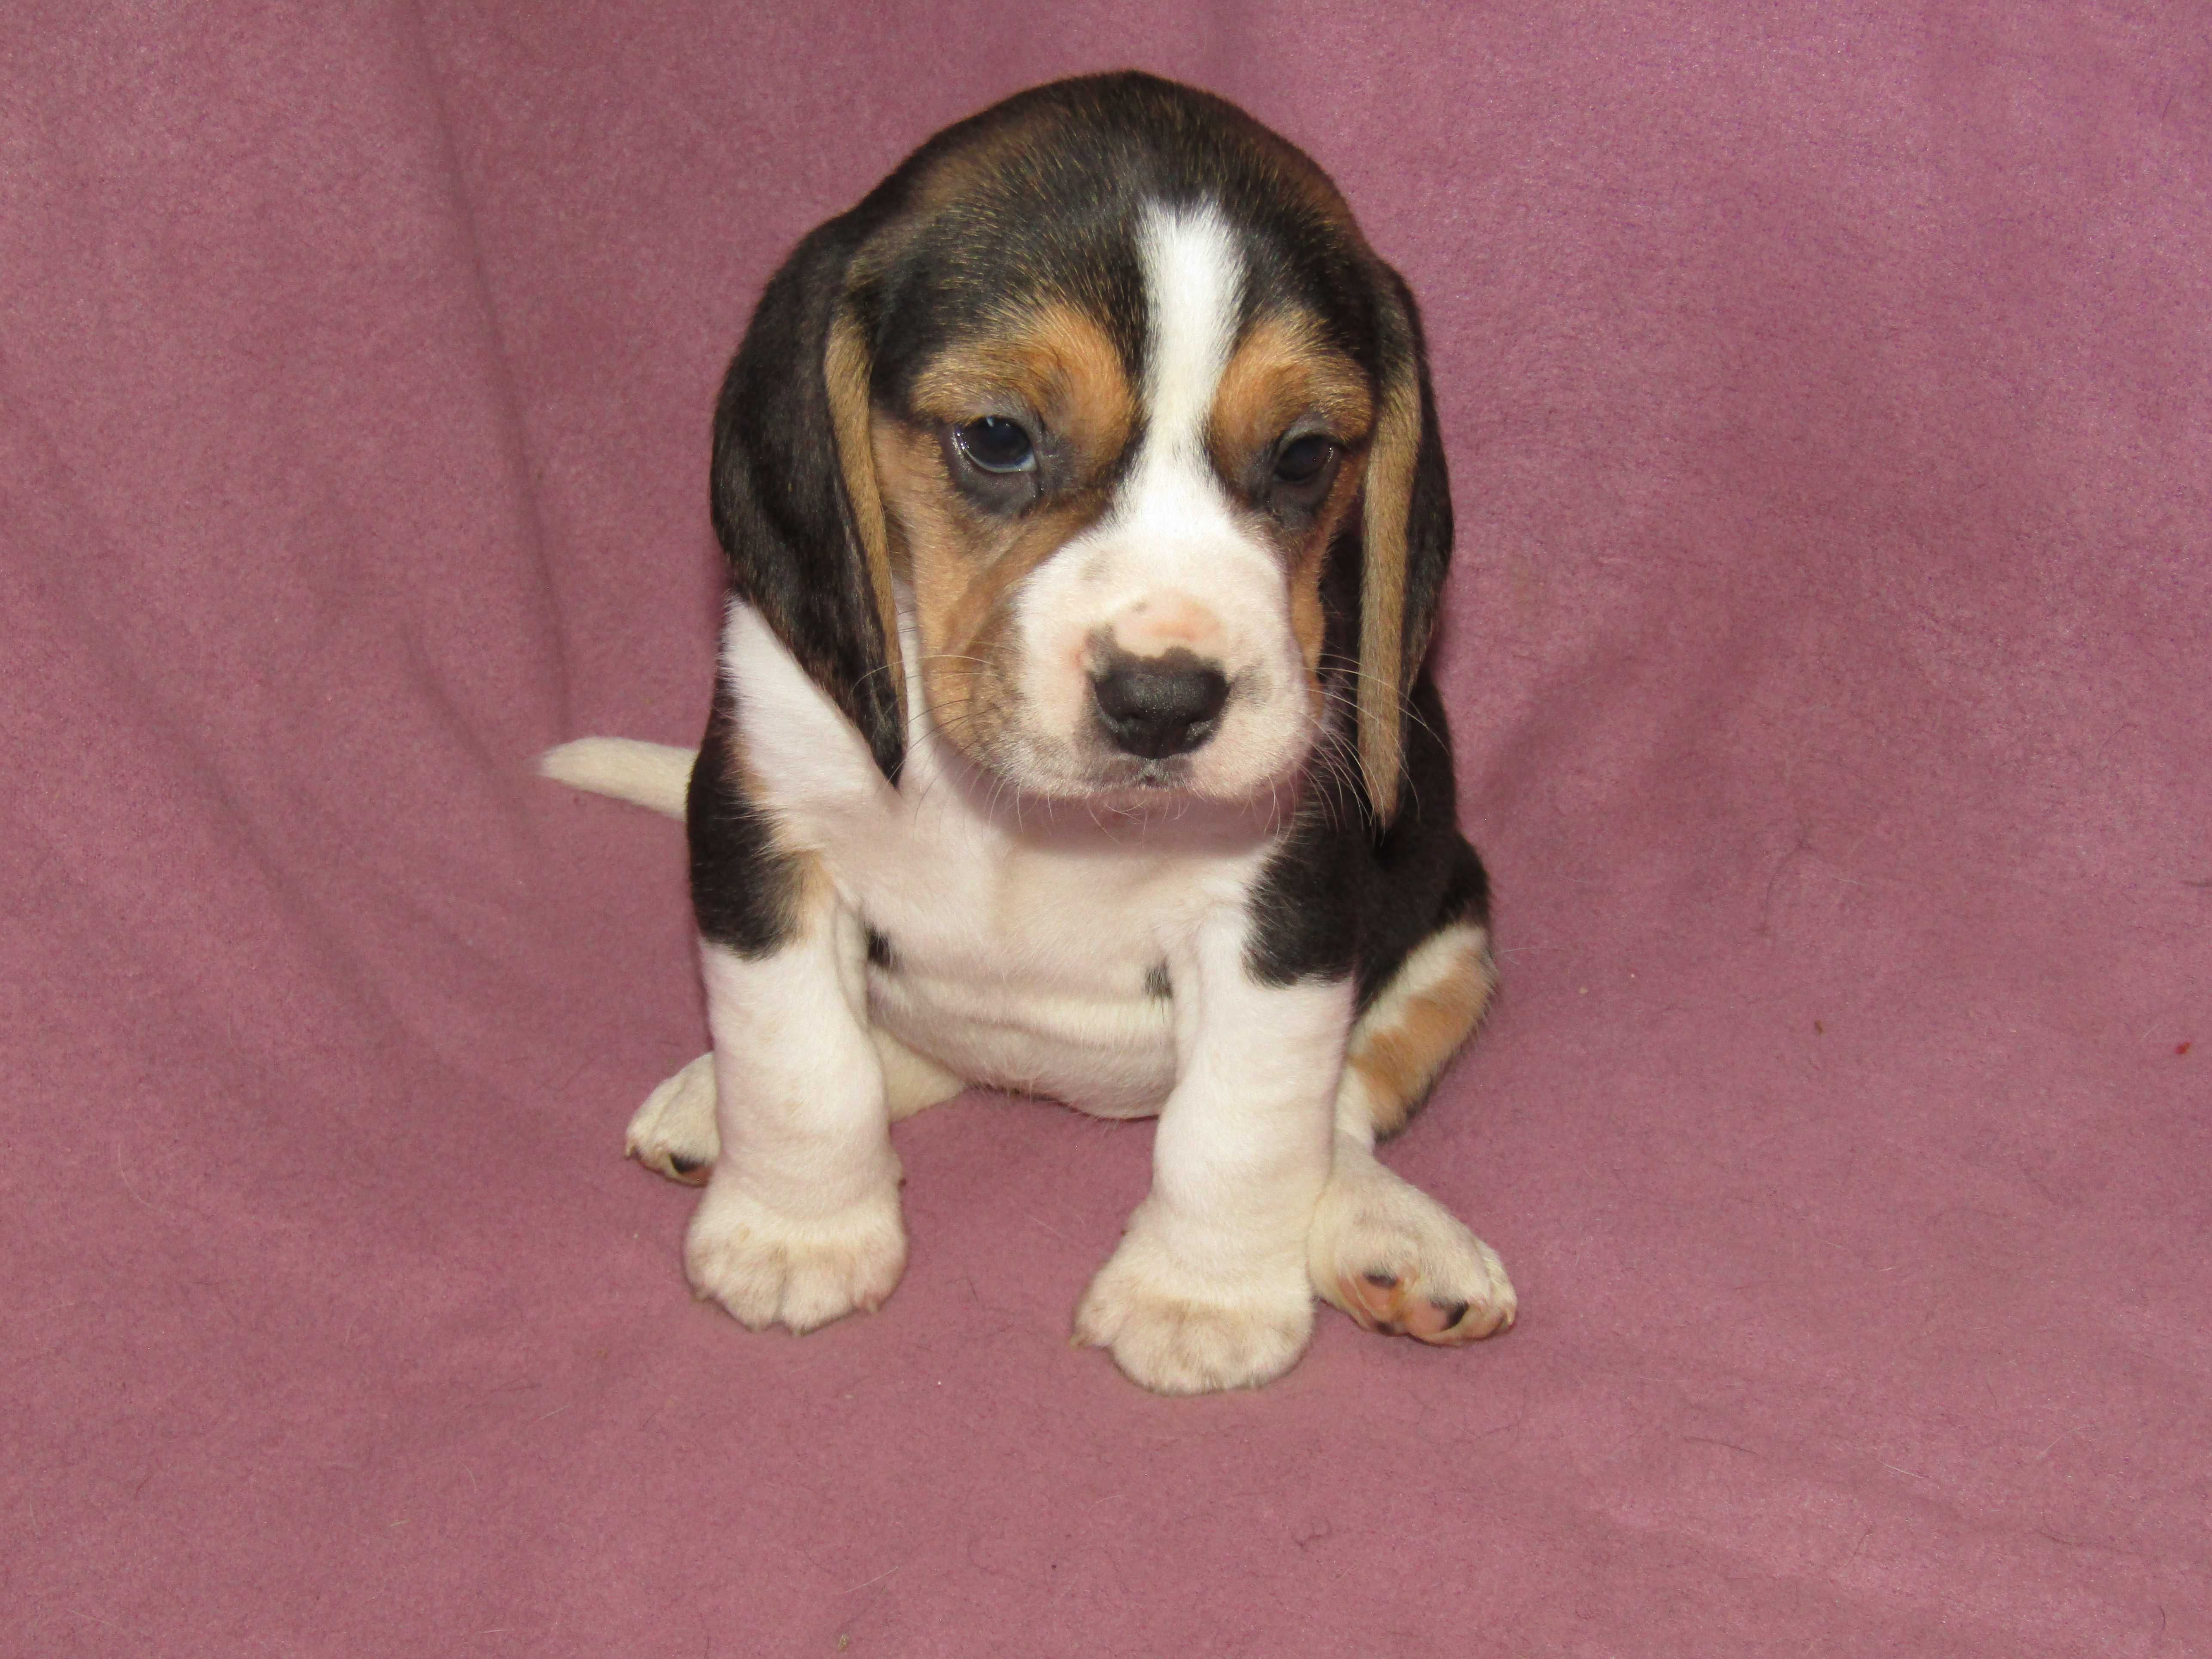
x: 971, y: 171
x: 1401, y: 1043
x: 1310, y: 617
x: 1252, y: 1212
x: 1056, y: 362
x: 1386, y: 666
x: 845, y: 369
x: 1283, y: 372
x: 1058, y: 366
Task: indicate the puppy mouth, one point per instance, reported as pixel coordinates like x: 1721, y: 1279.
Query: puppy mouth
x: 1128, y: 785
x: 1120, y: 782
x: 1151, y: 777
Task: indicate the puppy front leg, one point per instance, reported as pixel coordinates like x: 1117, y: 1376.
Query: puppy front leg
x: 800, y: 1224
x: 1209, y: 1288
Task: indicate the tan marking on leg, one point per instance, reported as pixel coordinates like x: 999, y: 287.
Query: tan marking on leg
x: 1417, y: 1023
x: 1380, y: 1249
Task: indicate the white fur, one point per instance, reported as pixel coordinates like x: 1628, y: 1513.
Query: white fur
x: 1024, y: 929
x: 1371, y: 1222
x: 674, y: 1132
x: 1368, y: 1221
x: 1193, y: 283
x: 1023, y: 933
x: 653, y: 775
x: 1209, y: 1287
x: 1172, y: 564
x: 800, y: 1220
x: 1025, y: 926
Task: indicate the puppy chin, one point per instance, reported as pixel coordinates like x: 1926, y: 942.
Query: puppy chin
x: 1241, y: 775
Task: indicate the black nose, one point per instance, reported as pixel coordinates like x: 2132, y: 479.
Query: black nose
x: 1159, y: 705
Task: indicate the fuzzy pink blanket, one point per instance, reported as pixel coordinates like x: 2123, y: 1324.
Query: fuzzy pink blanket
x: 1829, y: 399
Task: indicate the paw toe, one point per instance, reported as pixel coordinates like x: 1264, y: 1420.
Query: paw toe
x: 1175, y: 1333
x: 1399, y: 1263
x: 674, y: 1132
x: 766, y: 1268
x: 1394, y: 1309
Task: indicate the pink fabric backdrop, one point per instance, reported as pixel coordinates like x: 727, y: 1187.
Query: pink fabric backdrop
x: 1828, y: 391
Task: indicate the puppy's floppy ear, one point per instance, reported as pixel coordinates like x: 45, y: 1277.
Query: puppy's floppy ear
x: 1407, y: 534
x: 796, y: 504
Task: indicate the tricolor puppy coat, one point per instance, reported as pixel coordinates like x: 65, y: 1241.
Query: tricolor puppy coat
x: 1086, y: 519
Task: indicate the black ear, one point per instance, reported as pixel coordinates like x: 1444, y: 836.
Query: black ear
x: 1406, y: 535
x: 796, y: 505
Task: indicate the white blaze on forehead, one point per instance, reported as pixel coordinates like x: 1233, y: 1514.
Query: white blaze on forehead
x: 1193, y: 283
x: 1175, y: 563
x: 1172, y: 540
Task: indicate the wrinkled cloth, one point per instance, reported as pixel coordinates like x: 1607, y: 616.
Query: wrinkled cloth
x: 1827, y: 393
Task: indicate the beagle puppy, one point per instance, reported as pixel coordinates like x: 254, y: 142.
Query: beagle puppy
x: 1086, y: 519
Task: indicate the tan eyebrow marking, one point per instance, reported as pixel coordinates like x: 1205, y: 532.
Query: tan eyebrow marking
x: 1056, y: 362
x: 1282, y: 371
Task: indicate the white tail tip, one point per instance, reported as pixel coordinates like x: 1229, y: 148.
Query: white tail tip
x: 650, y: 774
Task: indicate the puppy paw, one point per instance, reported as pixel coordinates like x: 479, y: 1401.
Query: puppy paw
x: 674, y: 1131
x: 768, y: 1268
x: 1398, y: 1262
x: 1175, y: 1331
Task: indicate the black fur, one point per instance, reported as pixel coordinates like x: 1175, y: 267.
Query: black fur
x: 1051, y: 218
x: 1332, y: 903
x: 1338, y: 900
x: 744, y: 892
x: 1048, y: 213
x: 1428, y: 518
x: 779, y: 507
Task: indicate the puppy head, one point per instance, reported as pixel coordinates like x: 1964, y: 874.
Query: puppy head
x: 1107, y: 380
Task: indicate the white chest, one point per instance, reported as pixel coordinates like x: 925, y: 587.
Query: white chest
x: 1024, y: 946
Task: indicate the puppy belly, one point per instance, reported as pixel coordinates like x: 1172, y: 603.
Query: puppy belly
x: 1112, y: 1058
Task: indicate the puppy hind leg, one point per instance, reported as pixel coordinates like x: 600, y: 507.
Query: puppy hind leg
x: 912, y: 1083
x: 674, y: 1133
x: 1379, y: 1248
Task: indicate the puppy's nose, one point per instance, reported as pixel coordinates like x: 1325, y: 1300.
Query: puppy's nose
x: 1159, y: 705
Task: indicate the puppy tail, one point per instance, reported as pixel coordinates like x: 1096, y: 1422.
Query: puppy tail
x: 652, y: 775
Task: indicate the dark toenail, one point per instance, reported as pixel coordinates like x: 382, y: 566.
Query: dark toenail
x: 1452, y: 1315
x: 684, y: 1165
x: 1381, y: 1281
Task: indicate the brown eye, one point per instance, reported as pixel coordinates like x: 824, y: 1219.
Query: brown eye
x: 1301, y: 460
x: 996, y: 445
